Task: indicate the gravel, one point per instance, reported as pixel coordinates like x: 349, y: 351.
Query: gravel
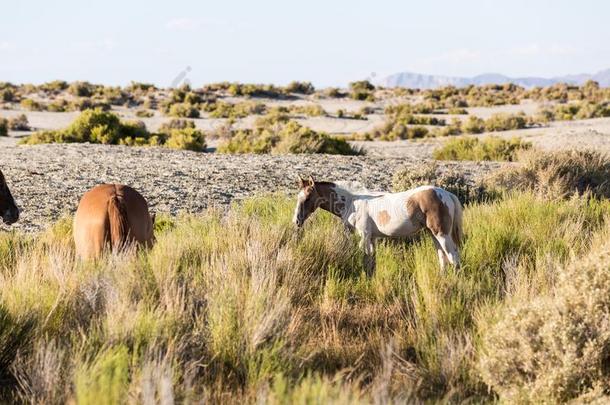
x: 48, y: 180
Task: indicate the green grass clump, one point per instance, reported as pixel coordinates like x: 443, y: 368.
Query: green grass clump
x: 505, y: 122
x: 362, y: 90
x: 187, y: 138
x: 490, y: 148
x: 239, y: 306
x: 221, y: 109
x: 81, y: 89
x: 474, y: 125
x: 280, y: 136
x: 96, y: 126
x: 31, y: 105
x: 300, y: 88
x: 183, y: 110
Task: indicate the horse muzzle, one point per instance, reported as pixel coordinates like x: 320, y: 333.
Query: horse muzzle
x: 10, y: 216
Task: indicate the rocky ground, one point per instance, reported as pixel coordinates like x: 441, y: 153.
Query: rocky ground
x: 48, y: 180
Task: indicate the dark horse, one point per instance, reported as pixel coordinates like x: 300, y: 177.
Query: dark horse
x: 8, y: 209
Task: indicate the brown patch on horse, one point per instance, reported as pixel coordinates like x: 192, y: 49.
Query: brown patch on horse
x: 111, y: 216
x: 428, y: 209
x: 383, y: 218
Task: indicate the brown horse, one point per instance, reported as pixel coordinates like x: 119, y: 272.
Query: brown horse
x: 111, y: 216
x: 8, y: 209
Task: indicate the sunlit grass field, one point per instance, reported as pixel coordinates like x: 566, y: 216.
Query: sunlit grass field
x: 239, y: 306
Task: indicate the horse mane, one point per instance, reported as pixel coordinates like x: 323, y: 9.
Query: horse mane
x: 354, y: 187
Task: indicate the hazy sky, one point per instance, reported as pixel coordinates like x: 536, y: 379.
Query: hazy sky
x: 272, y: 41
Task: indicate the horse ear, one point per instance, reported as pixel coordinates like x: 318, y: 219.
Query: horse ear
x: 311, y: 181
x: 300, y: 181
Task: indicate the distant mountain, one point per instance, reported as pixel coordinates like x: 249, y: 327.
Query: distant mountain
x: 421, y: 81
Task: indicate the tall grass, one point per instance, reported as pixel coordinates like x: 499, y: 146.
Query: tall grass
x: 241, y: 307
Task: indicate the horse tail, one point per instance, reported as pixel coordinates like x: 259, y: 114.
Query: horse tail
x: 457, y: 230
x: 119, y: 223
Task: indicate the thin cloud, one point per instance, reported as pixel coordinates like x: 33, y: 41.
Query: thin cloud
x: 6, y: 46
x: 103, y: 45
x: 183, y: 24
x: 536, y: 49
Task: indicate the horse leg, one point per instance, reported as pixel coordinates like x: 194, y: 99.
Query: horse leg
x: 368, y: 246
x: 442, y: 257
x: 450, y: 248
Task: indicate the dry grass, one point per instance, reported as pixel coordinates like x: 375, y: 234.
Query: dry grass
x: 452, y: 180
x: 554, y: 347
x: 558, y: 174
x: 243, y: 308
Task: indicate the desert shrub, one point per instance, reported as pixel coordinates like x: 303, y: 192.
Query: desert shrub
x: 116, y: 96
x: 172, y: 124
x: 273, y: 119
x: 362, y: 90
x: 140, y: 88
x: 254, y: 90
x: 466, y: 189
x: 93, y: 126
x: 81, y: 89
x: 144, y: 113
x: 312, y: 110
x: 86, y: 103
x: 31, y: 105
x: 19, y: 123
x: 561, y: 92
x: 334, y: 92
x: 183, y: 110
x: 3, y: 127
x: 186, y: 138
x: 454, y: 128
x: 490, y: 148
x: 96, y: 126
x: 58, y: 105
x: 544, y: 115
x: 429, y: 107
x: 394, y: 129
x: 558, y: 174
x: 56, y: 86
x: 300, y: 88
x: 288, y: 137
x: 340, y: 113
x: 505, y: 122
x: 7, y: 95
x: 578, y: 110
x: 457, y: 111
x: 474, y: 125
x: 554, y: 348
x: 221, y: 109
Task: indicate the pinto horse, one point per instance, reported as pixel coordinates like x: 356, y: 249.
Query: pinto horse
x: 8, y: 209
x: 388, y: 215
x: 111, y: 216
